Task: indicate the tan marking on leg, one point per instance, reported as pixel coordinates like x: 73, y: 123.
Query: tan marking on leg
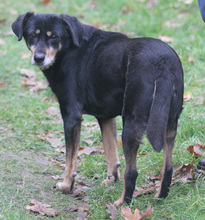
x: 167, y: 151
x: 118, y: 203
x: 110, y: 148
x: 71, y: 164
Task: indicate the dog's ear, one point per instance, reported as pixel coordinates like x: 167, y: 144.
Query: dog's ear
x: 74, y: 27
x: 19, y: 24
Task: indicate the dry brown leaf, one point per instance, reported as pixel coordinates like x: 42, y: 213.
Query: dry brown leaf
x: 184, y: 173
x: 146, y: 189
x: 52, y: 111
x: 27, y: 72
x: 80, y: 209
x: 88, y: 141
x: 28, y: 82
x: 112, y: 211
x: 49, y: 137
x: 45, y: 1
x: 2, y: 84
x: 191, y: 59
x: 43, y: 209
x: 154, y: 177
x: 166, y: 39
x: 187, y: 96
x: 147, y: 213
x: 57, y: 177
x: 38, y: 86
x: 61, y: 149
x: 89, y: 150
x: 151, y: 3
x: 196, y: 149
x: 127, y: 214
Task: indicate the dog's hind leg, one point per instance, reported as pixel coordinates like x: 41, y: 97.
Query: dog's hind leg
x: 131, y: 138
x: 72, y: 137
x: 167, y: 169
x: 108, y: 130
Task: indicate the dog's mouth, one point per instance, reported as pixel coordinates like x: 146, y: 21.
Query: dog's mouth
x: 42, y: 61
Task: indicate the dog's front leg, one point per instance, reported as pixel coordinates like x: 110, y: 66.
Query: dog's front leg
x: 72, y: 139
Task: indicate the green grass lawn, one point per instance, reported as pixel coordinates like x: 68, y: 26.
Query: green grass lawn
x: 26, y: 167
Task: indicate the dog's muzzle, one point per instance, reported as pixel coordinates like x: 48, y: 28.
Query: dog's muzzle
x: 39, y: 59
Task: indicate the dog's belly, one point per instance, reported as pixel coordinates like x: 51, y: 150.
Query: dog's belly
x: 105, y: 106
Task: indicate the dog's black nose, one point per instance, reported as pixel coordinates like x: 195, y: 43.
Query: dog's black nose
x: 39, y: 58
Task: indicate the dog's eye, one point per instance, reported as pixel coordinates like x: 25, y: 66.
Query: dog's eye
x: 32, y: 35
x: 53, y: 37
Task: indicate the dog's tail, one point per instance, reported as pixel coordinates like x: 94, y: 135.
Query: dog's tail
x: 159, y: 112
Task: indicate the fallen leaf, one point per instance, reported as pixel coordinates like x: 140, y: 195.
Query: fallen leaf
x: 112, y: 211
x: 2, y: 84
x: 146, y: 189
x: 184, y: 173
x: 27, y: 72
x: 88, y: 141
x: 147, y: 213
x: 78, y: 208
x: 196, y: 149
x: 57, y: 177
x: 89, y: 150
x: 49, y: 137
x: 52, y: 111
x: 38, y: 86
x: 45, y: 1
x: 40, y: 208
x: 187, y: 96
x: 155, y: 177
x: 191, y: 59
x: 28, y: 82
x: 127, y: 214
x: 61, y: 149
x: 2, y: 21
x: 151, y: 3
x: 166, y: 39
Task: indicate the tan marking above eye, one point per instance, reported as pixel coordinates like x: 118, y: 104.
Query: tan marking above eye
x: 37, y: 31
x: 48, y: 33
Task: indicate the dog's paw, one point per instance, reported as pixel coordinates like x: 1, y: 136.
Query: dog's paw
x: 64, y: 187
x: 110, y: 179
x: 118, y: 203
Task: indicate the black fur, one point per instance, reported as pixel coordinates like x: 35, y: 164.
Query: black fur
x: 107, y: 74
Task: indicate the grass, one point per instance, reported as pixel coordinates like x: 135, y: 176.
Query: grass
x: 25, y: 169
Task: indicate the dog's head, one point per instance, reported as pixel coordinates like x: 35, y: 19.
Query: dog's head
x: 47, y: 35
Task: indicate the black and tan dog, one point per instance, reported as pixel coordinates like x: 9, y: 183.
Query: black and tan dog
x: 106, y: 74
